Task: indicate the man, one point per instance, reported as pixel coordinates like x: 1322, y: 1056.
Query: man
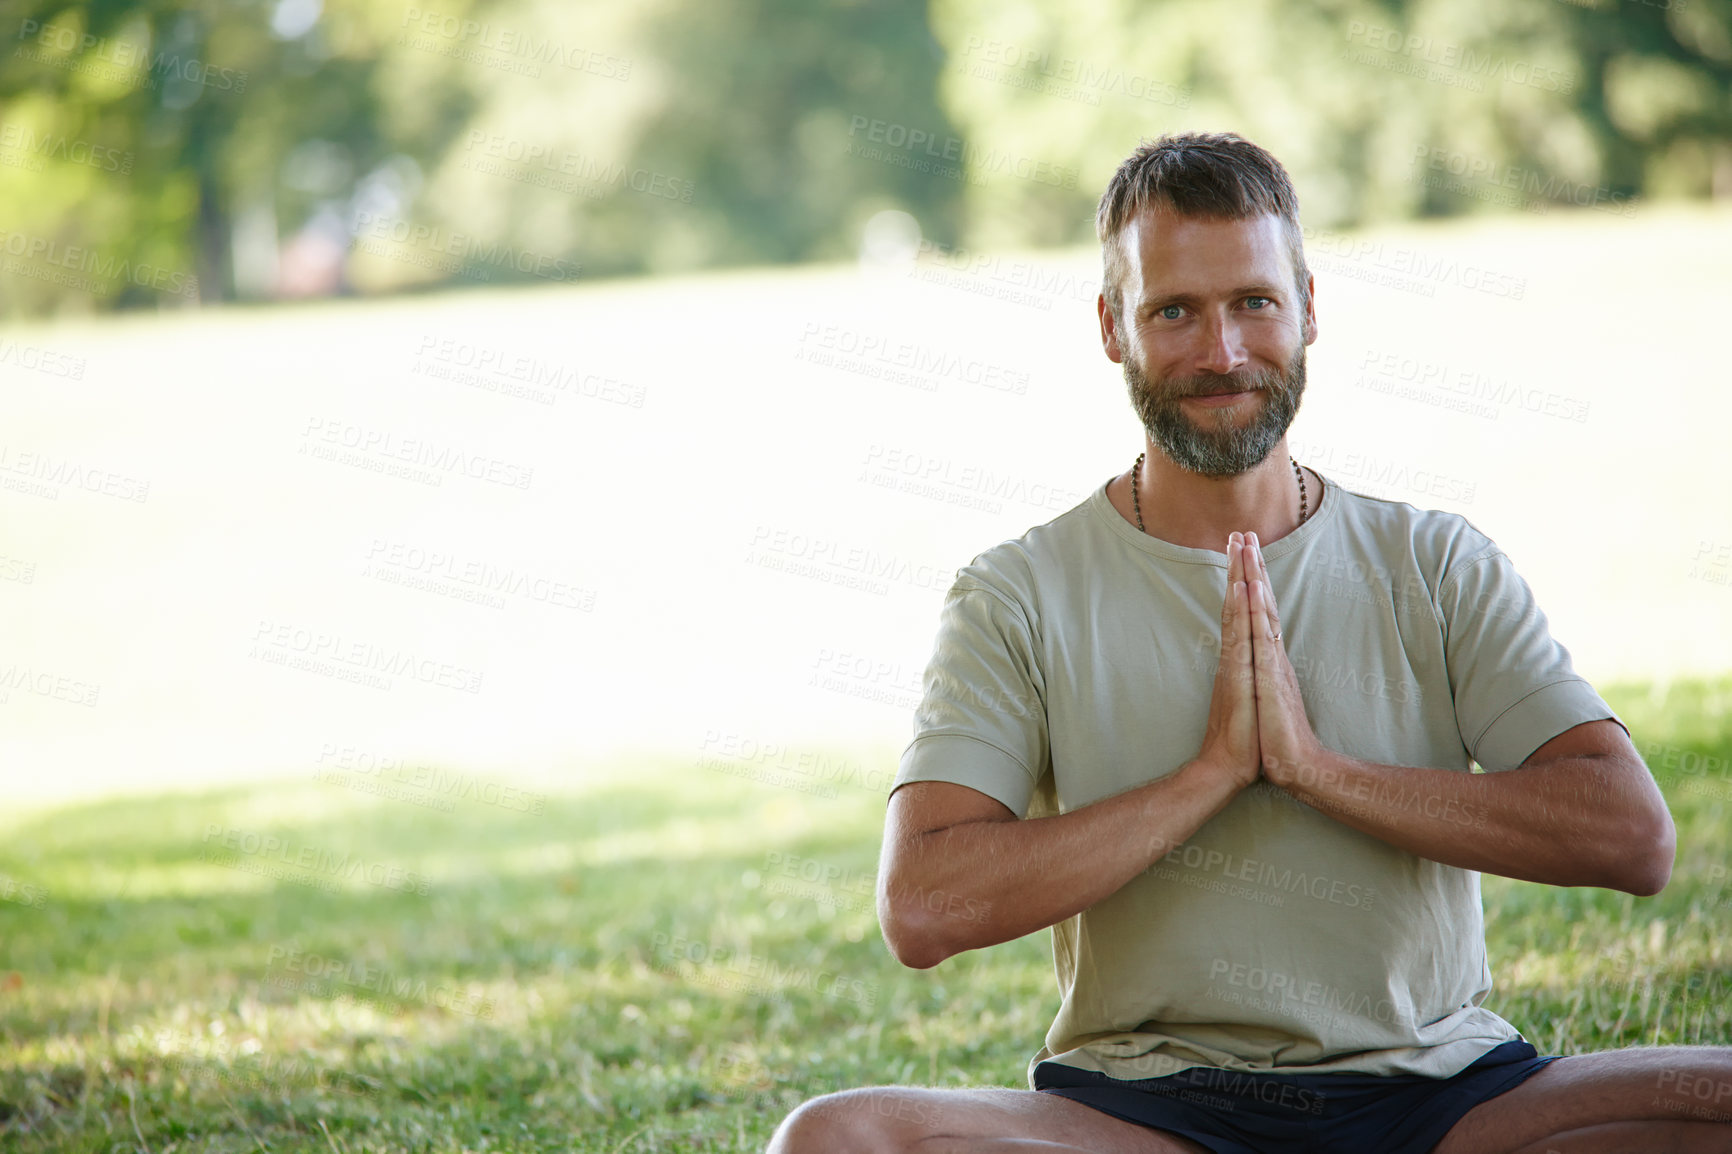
x: 1216, y: 727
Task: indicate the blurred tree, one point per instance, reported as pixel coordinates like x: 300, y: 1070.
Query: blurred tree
x: 135, y: 130
x: 799, y: 120
x: 1379, y: 109
x: 161, y: 152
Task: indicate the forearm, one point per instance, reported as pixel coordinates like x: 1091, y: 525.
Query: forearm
x: 984, y: 882
x: 1572, y: 822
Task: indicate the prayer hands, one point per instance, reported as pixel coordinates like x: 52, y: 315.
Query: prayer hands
x: 1257, y: 722
x: 1231, y: 740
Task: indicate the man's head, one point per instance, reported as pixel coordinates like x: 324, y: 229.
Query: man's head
x: 1205, y: 293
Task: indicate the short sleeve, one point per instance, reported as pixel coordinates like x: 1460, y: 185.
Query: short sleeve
x: 1514, y: 686
x: 981, y: 721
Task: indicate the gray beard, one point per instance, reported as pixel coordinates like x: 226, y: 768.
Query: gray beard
x: 1218, y: 447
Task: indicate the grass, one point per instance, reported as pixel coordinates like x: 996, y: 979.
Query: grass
x: 665, y: 965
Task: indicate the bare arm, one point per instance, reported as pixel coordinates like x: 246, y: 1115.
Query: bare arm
x: 1582, y: 810
x: 960, y: 871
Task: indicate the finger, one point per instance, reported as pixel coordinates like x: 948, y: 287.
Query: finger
x: 1262, y: 575
x: 1241, y: 655
x: 1263, y: 648
x: 1235, y: 572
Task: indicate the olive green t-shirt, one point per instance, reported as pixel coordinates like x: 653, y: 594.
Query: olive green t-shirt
x: 1077, y: 662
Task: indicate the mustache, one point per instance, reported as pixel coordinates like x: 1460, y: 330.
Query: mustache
x: 1215, y: 385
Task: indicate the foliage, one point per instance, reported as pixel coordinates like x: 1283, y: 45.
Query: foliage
x: 163, y: 151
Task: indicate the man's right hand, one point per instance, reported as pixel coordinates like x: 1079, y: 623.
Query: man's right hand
x: 1230, y: 745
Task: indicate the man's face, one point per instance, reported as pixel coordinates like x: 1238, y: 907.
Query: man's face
x: 1212, y: 338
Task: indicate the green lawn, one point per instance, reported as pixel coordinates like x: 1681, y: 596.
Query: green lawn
x: 664, y: 965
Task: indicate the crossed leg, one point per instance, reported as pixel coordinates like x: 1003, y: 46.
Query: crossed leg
x: 895, y: 1119
x: 1649, y: 1100
x: 1659, y: 1100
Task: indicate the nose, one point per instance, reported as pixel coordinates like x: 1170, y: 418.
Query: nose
x: 1223, y: 352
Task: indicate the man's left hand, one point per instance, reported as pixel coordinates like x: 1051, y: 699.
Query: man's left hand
x: 1284, y: 732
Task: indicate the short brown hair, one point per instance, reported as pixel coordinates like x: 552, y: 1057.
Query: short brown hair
x: 1207, y: 174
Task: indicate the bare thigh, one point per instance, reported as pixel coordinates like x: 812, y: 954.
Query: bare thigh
x: 1673, y: 1084
x: 893, y: 1119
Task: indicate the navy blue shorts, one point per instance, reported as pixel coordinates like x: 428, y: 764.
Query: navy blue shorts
x: 1233, y: 1113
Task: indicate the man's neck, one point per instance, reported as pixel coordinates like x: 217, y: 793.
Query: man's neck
x: 1198, y: 512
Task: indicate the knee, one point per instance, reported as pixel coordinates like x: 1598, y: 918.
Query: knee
x: 866, y: 1121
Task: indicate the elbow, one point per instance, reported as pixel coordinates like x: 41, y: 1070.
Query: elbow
x: 911, y: 937
x: 1646, y: 865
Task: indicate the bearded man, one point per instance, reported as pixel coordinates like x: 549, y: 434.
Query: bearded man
x: 1217, y: 726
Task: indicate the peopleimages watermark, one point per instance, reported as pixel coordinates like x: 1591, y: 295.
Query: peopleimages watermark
x: 1065, y: 77
x: 1694, y: 1093
x: 563, y: 170
x: 1712, y: 562
x: 494, y: 369
x: 42, y: 475
x: 835, y: 887
x: 1463, y: 390
x: 940, y: 154
x: 23, y: 893
x: 943, y: 479
x: 909, y: 363
x: 242, y: 1065
x: 857, y: 675
x: 279, y: 856
x: 1703, y: 772
x: 22, y: 678
x: 737, y: 968
x: 1378, y: 797
x: 83, y: 270
x: 745, y: 1082
x: 1325, y: 680
x: 293, y: 970
x: 60, y: 45
x: 778, y: 763
x: 1488, y: 174
x: 1377, y: 476
x: 1257, y: 880
x: 833, y: 561
x: 1449, y: 62
x: 472, y: 579
x: 37, y: 359
x: 434, y: 247
x: 333, y: 655
x: 436, y: 787
x: 1401, y: 266
x: 23, y: 147
x: 413, y: 458
x: 1031, y: 283
x: 511, y: 49
x: 1262, y: 989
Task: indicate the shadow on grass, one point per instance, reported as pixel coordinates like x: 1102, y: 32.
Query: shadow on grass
x: 661, y: 963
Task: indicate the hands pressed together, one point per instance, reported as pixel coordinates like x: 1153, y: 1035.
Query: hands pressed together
x: 1257, y: 723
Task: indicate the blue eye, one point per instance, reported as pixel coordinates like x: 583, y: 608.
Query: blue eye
x: 1170, y: 309
x: 1265, y: 300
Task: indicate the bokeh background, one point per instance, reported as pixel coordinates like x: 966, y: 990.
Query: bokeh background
x: 478, y: 480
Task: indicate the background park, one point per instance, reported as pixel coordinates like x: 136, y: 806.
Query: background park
x: 477, y: 482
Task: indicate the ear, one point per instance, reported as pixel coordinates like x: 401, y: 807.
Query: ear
x: 1109, y: 331
x: 1309, y: 325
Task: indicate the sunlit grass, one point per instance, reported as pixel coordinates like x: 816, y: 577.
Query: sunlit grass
x: 150, y: 1001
